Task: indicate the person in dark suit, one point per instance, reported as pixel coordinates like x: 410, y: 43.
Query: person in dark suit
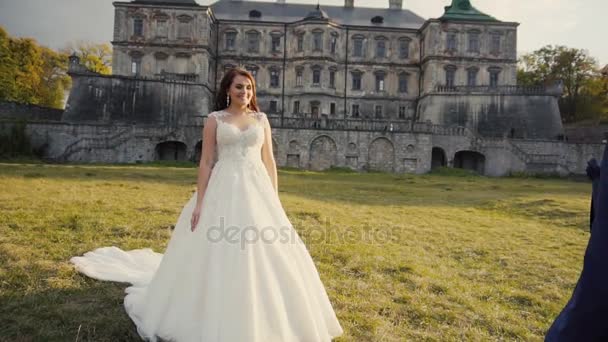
x: 593, y: 172
x: 585, y: 317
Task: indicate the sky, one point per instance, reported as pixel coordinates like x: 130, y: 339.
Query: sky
x: 575, y: 23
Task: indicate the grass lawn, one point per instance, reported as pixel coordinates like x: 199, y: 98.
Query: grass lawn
x: 439, y: 257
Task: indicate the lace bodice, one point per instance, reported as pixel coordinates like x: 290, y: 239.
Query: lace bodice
x: 235, y: 143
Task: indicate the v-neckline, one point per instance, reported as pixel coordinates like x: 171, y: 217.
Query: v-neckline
x: 242, y: 130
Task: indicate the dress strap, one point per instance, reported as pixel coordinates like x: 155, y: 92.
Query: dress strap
x: 219, y: 115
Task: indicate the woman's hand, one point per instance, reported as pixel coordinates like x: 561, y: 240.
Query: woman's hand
x: 196, y: 214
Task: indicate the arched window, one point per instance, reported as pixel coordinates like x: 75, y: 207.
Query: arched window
x: 494, y: 76
x: 380, y: 80
x: 184, y: 27
x: 230, y: 39
x: 404, y: 47
x: 474, y: 41
x: 275, y: 73
x: 403, y: 80
x: 450, y: 75
x: 317, y: 39
x: 356, y: 76
x: 358, y: 47
x: 472, y: 76
x: 253, y: 41
x: 316, y: 75
x: 381, y: 47
x: 451, y: 43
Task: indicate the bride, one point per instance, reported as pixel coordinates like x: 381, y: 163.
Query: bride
x: 235, y: 270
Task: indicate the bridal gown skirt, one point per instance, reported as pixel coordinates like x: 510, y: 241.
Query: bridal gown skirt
x: 244, y: 274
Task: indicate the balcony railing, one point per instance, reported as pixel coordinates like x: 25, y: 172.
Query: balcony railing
x: 167, y: 76
x: 510, y: 89
x: 375, y: 125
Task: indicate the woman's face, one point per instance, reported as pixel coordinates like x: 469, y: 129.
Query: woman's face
x: 241, y: 91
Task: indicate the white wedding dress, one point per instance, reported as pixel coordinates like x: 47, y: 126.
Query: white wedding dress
x: 244, y: 274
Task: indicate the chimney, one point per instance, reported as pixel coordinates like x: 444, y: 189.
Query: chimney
x: 349, y: 3
x: 395, y: 4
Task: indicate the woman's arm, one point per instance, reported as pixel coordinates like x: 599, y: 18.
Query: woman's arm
x: 207, y: 159
x: 268, y: 156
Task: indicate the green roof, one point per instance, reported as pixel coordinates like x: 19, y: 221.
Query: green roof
x: 463, y: 10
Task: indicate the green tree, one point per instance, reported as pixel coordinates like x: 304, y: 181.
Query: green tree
x: 575, y: 69
x: 95, y: 57
x: 30, y: 73
x: 54, y: 78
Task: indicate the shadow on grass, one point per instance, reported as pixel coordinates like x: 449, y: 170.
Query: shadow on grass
x: 92, y: 313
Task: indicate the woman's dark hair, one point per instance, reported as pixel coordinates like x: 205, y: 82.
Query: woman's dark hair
x: 222, y: 93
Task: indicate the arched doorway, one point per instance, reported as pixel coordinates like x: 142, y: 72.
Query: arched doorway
x: 470, y: 160
x: 323, y: 153
x: 438, y: 158
x: 171, y: 150
x: 381, y: 155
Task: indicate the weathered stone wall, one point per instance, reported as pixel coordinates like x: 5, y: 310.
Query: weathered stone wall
x: 175, y: 39
x: 110, y: 99
x: 518, y: 116
x: 14, y: 110
x: 436, y: 55
x: 312, y: 149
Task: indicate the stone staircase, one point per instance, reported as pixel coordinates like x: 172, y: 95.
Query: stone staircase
x: 106, y: 143
x: 533, y: 162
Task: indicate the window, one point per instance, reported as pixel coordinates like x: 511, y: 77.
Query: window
x: 450, y: 75
x: 332, y: 79
x: 183, y: 30
x: 381, y: 48
x: 255, y: 14
x: 495, y: 43
x: 318, y: 40
x: 380, y: 82
x: 403, y: 82
x: 253, y: 70
x: 274, y: 78
x: 356, y: 81
x: 161, y: 62
x: 138, y: 27
x: 472, y: 77
x: 161, y: 28
x: 355, y: 111
x: 378, y: 111
x: 332, y: 108
x: 253, y: 42
x: 404, y: 48
x: 273, y: 106
x: 316, y: 76
x: 402, y: 111
x: 296, y: 107
x: 275, y: 43
x: 299, y: 75
x: 300, y: 42
x: 333, y: 43
x: 494, y: 73
x: 136, y: 65
x: 184, y: 27
x: 230, y: 40
x: 451, y: 42
x: 473, y: 41
x: 314, y: 108
x: 358, y: 47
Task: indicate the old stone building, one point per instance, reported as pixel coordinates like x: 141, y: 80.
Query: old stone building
x: 346, y: 86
